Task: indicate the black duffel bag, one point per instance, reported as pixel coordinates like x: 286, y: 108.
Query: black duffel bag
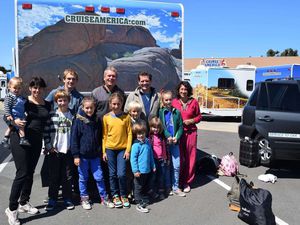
x: 256, y: 205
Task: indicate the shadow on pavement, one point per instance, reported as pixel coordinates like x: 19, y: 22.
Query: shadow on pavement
x: 285, y: 169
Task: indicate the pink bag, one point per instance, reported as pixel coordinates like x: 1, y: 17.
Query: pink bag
x: 229, y: 166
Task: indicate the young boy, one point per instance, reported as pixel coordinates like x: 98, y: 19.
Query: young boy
x: 142, y: 163
x: 134, y: 110
x: 86, y: 150
x: 14, y: 109
x: 57, y: 145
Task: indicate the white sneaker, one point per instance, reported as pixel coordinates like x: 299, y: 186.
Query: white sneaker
x: 179, y: 193
x: 28, y: 208
x: 187, y: 189
x: 141, y: 208
x: 86, y: 204
x: 12, y: 217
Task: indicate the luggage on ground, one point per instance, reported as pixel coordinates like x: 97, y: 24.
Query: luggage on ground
x: 256, y: 205
x: 249, y: 153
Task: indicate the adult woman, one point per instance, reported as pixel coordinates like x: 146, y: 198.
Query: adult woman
x: 26, y: 157
x: 190, y: 113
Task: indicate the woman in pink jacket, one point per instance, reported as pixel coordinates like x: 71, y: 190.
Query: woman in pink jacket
x: 190, y: 113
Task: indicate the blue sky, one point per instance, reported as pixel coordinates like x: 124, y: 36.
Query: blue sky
x: 216, y: 28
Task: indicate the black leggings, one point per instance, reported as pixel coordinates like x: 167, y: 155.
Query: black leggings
x: 25, y: 159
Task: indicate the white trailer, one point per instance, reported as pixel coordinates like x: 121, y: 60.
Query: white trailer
x: 222, y: 91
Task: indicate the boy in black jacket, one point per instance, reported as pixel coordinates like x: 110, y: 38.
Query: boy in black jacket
x: 86, y: 150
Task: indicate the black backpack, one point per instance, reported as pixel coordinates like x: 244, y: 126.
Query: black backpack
x: 256, y: 205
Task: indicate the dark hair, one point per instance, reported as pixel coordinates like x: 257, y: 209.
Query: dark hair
x: 37, y: 82
x: 144, y: 74
x: 187, y: 85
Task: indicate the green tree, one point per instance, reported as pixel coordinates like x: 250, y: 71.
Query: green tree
x: 272, y: 53
x: 289, y: 52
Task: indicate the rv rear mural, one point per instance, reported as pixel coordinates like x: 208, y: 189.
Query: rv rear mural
x: 222, y: 91
x: 129, y: 35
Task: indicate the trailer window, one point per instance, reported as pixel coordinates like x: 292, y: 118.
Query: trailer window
x: 3, y: 83
x: 226, y: 83
x: 249, y: 86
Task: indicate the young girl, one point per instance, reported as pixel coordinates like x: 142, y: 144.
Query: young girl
x: 142, y: 163
x: 173, y: 128
x: 86, y: 150
x: 117, y: 140
x: 161, y: 158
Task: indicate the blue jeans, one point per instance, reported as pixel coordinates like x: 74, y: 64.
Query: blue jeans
x: 117, y: 172
x: 95, y: 167
x: 162, y: 176
x: 175, y: 157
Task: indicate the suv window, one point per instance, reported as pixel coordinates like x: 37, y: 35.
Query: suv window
x: 253, y: 98
x: 279, y: 97
x: 262, y: 103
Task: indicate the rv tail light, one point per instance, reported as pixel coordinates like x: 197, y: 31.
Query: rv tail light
x: 105, y: 9
x: 120, y: 10
x: 26, y: 6
x: 175, y: 14
x: 90, y: 9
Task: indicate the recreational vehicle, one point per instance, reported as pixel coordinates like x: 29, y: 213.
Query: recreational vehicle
x: 222, y: 91
x: 283, y: 72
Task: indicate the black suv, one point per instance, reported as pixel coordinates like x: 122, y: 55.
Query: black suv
x: 271, y: 118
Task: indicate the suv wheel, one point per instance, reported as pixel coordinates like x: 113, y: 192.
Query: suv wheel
x: 264, y: 151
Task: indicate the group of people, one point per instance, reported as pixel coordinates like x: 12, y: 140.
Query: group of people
x: 150, y: 134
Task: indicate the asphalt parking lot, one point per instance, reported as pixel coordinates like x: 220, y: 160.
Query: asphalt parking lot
x: 205, y: 205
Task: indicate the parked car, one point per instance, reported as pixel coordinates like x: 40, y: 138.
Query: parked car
x: 271, y: 118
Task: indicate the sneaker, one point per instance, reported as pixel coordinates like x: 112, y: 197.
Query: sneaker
x: 187, y: 189
x: 24, y: 141
x: 85, y: 203
x: 12, y: 217
x: 170, y: 193
x: 5, y: 142
x: 117, y: 202
x: 107, y: 203
x: 141, y: 208
x: 69, y: 204
x: 125, y: 202
x: 28, y: 208
x: 51, y: 205
x: 179, y: 193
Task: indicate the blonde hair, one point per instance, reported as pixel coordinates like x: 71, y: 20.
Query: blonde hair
x: 139, y: 127
x: 17, y: 81
x: 70, y: 71
x: 61, y: 94
x: 116, y: 95
x: 163, y: 93
x: 156, y: 122
x: 134, y: 105
x: 88, y: 99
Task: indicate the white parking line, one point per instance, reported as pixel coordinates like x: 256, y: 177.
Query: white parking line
x: 5, y: 162
x: 225, y: 186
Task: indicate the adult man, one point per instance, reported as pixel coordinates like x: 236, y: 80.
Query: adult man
x: 102, y: 93
x: 70, y: 80
x: 146, y: 96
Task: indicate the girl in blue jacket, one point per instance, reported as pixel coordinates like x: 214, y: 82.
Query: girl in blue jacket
x: 86, y: 150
